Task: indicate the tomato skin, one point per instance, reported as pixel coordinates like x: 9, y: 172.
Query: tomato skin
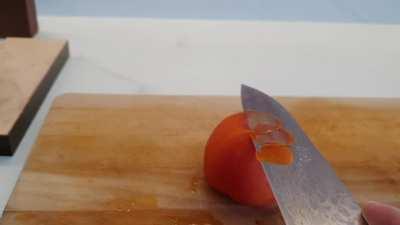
x: 231, y: 165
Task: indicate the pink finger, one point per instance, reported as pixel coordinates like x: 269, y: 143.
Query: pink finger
x: 380, y: 214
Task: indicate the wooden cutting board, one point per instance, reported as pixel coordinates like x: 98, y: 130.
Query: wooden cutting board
x: 28, y: 68
x: 112, y: 159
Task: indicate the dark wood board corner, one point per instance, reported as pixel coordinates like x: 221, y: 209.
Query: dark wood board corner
x: 18, y: 18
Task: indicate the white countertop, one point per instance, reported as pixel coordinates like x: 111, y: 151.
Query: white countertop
x: 111, y: 55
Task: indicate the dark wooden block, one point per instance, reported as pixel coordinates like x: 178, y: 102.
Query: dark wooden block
x: 28, y: 68
x: 18, y: 18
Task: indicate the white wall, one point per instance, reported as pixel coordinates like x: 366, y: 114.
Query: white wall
x: 366, y: 11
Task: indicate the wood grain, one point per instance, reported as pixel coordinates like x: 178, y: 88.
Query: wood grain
x: 28, y: 67
x: 115, y: 159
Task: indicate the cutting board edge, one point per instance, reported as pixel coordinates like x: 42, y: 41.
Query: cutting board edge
x: 10, y: 142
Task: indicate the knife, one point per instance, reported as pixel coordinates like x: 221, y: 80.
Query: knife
x: 307, y: 191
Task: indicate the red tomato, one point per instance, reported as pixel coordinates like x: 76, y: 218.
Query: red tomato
x: 232, y: 166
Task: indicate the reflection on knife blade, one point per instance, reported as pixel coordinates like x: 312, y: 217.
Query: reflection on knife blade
x: 307, y: 191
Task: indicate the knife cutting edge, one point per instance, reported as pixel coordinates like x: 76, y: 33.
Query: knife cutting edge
x: 307, y: 191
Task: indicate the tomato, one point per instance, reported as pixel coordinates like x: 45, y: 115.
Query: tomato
x: 232, y: 165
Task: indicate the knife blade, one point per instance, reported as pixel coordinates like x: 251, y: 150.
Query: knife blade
x: 307, y: 192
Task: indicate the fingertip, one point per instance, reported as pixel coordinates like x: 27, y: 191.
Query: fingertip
x: 371, y: 205
x: 376, y: 213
